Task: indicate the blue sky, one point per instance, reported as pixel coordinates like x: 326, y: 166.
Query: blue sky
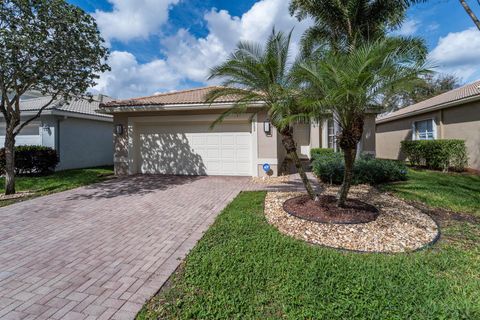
x: 165, y: 45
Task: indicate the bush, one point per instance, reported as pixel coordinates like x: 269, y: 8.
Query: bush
x: 329, y: 167
x: 31, y: 160
x: 367, y: 169
x: 315, y: 152
x: 437, y: 154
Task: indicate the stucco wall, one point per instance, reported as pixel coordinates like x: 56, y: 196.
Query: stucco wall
x: 459, y: 122
x: 268, y: 147
x: 390, y: 134
x: 84, y: 143
x: 463, y: 122
x: 367, y: 144
x: 120, y: 145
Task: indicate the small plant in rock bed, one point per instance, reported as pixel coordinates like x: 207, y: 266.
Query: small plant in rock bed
x: 330, y: 169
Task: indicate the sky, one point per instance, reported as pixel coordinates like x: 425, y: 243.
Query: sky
x: 166, y: 45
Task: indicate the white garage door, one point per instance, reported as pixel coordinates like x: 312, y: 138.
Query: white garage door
x: 194, y: 149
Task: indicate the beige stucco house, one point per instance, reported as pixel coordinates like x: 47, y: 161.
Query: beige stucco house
x: 170, y: 134
x: 451, y: 115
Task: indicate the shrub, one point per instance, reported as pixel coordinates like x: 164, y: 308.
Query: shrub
x: 316, y: 152
x: 367, y: 169
x: 329, y: 167
x: 437, y: 154
x: 31, y: 160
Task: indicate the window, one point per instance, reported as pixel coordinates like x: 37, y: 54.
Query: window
x: 331, y: 133
x: 424, y: 130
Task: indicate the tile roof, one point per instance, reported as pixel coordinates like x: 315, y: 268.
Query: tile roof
x: 80, y: 106
x: 191, y: 96
x: 468, y: 91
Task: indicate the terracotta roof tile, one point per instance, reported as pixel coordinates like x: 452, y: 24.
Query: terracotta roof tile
x: 467, y: 91
x: 191, y: 96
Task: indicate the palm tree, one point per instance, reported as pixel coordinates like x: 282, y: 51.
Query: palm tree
x: 470, y: 12
x: 255, y: 73
x: 343, y: 24
x: 351, y: 84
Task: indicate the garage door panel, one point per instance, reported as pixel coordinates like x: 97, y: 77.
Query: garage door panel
x: 228, y: 153
x: 213, y: 140
x: 194, y: 151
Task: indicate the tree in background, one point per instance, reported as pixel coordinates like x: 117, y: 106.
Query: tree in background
x: 49, y: 46
x: 344, y: 24
x: 255, y: 73
x: 429, y: 86
x: 350, y: 85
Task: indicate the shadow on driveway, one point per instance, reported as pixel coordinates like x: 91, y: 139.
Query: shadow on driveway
x: 133, y: 185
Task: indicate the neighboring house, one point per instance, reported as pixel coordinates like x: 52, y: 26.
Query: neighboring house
x: 451, y: 115
x: 81, y: 136
x: 170, y: 134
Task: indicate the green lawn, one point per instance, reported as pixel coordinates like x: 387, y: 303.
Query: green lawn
x: 453, y: 191
x: 243, y: 268
x: 58, y: 181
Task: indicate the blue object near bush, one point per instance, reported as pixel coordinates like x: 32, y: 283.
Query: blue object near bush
x: 329, y: 168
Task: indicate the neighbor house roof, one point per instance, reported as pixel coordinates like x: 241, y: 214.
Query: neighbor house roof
x: 467, y: 93
x: 191, y: 96
x: 76, y: 106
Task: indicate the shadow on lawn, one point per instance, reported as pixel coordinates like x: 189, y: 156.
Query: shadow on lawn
x: 133, y: 185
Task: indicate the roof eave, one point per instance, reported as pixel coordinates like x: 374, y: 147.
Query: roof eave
x: 105, y: 109
x: 430, y: 109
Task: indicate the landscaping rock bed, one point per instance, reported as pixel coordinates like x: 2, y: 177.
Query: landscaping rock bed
x: 15, y: 196
x: 399, y: 227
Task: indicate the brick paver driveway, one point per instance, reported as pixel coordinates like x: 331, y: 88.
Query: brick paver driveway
x: 101, y: 251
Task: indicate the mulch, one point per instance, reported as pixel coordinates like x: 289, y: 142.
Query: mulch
x: 325, y: 210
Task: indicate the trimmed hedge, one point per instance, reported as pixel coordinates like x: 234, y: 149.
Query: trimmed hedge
x: 320, y: 151
x: 437, y: 154
x: 31, y: 160
x: 367, y: 169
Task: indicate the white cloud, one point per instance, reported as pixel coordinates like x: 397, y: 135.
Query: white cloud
x: 458, y: 53
x: 188, y: 58
x: 408, y: 28
x: 192, y: 57
x: 128, y: 78
x: 132, y: 19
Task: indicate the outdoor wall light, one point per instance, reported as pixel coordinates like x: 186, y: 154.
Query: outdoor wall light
x: 267, y: 127
x: 119, y: 129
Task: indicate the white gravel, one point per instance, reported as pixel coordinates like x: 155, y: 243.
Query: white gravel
x: 399, y: 227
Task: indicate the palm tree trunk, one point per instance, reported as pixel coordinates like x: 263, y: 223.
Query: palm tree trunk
x: 349, y: 156
x: 470, y: 13
x: 348, y: 141
x: 290, y: 146
x: 9, y: 162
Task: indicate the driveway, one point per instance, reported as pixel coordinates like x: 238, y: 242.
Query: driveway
x: 99, y: 252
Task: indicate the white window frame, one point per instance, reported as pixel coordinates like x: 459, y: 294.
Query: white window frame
x: 434, y: 129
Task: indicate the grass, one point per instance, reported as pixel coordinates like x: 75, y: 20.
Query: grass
x: 243, y: 268
x: 454, y: 191
x: 57, y: 181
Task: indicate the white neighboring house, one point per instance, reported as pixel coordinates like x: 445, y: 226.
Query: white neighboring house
x: 81, y: 136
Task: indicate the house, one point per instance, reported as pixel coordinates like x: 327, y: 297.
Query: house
x: 171, y: 133
x: 451, y: 115
x: 81, y: 136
